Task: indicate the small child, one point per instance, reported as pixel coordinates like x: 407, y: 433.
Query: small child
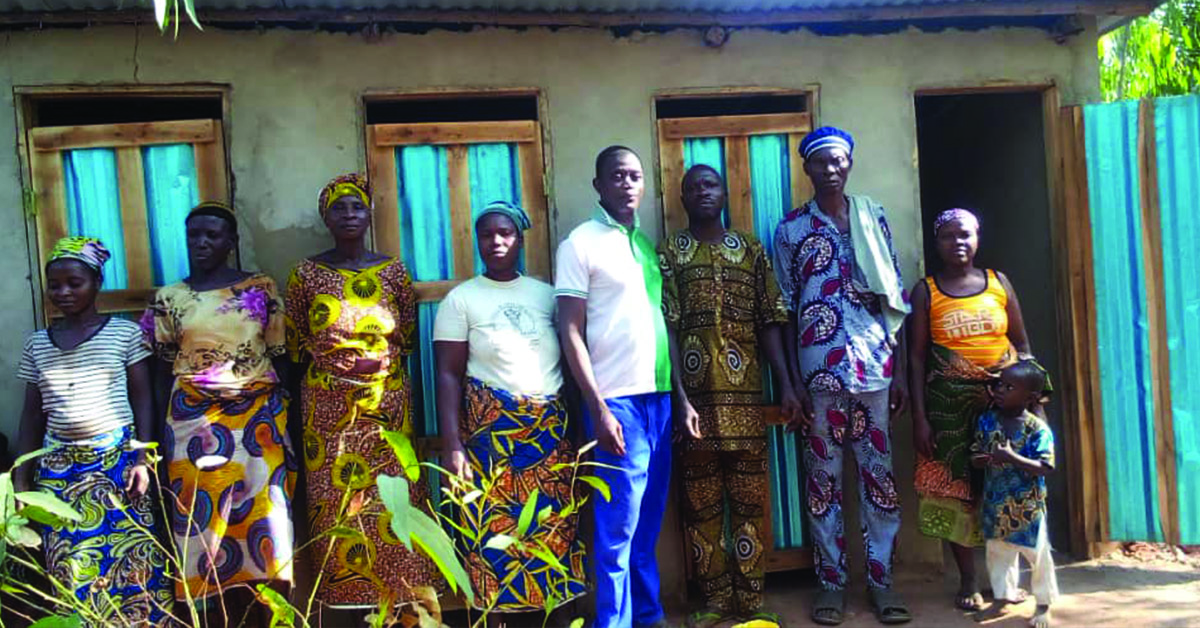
x: 1018, y: 450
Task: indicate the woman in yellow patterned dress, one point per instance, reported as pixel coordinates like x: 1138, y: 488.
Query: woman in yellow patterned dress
x: 351, y: 320
x: 230, y: 462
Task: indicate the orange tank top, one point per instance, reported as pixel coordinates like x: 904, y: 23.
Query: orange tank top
x: 975, y: 326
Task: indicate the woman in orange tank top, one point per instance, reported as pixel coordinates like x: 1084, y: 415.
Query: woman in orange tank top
x: 966, y: 325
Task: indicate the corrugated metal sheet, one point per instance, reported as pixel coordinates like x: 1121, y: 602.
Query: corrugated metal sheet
x: 606, y: 6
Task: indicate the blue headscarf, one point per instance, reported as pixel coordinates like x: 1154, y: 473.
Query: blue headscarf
x: 505, y: 208
x: 826, y: 137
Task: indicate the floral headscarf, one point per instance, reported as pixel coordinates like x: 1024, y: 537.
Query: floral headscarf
x: 90, y: 251
x: 353, y: 184
x: 965, y: 216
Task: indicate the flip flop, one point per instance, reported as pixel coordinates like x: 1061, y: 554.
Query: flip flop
x: 970, y: 601
x: 762, y: 620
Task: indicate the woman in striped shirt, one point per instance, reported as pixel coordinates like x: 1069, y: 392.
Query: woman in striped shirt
x: 87, y: 397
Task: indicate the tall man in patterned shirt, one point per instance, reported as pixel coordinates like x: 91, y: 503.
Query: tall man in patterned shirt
x: 846, y: 302
x: 610, y: 322
x: 724, y: 307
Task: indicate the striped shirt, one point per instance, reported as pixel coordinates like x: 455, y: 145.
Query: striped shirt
x: 85, y: 390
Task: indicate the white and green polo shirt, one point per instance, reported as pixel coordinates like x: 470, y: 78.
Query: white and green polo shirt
x: 615, y: 268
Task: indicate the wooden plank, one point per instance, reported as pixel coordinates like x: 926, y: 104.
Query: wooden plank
x: 54, y: 138
x: 212, y: 171
x: 1156, y: 319
x: 434, y: 291
x: 802, y: 189
x: 381, y: 166
x: 789, y: 559
x: 462, y: 229
x: 533, y: 199
x: 737, y: 180
x: 456, y: 132
x: 135, y: 224
x: 724, y: 126
x: 51, y: 206
x: 670, y: 167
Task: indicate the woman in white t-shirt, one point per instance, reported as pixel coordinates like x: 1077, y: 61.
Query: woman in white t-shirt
x: 87, y: 399
x: 502, y: 419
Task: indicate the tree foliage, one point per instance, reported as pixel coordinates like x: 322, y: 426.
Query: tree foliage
x: 1155, y: 55
x: 167, y: 13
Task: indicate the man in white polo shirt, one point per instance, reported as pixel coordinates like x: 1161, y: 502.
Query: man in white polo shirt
x: 615, y: 340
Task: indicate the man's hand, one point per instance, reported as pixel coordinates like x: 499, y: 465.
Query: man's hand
x: 897, y: 397
x: 610, y: 436
x: 790, y: 404
x: 139, y: 480
x: 458, y: 465
x: 687, y: 420
x: 804, y: 417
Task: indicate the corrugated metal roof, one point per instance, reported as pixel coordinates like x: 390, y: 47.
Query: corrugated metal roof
x: 597, y: 6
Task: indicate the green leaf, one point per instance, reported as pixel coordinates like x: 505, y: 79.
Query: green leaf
x: 541, y: 551
x: 551, y: 603
x: 545, y: 514
x: 527, y: 512
x: 345, y: 532
x: 282, y: 613
x: 58, y: 621
x: 576, y: 623
x: 588, y: 447
x: 50, y: 504
x: 160, y: 13
x: 499, y: 542
x: 394, y: 493
x: 189, y: 6
x: 33, y: 513
x: 600, y: 485
x: 433, y: 540
x: 470, y: 497
x: 31, y: 455
x: 402, y: 446
x: 7, y: 503
x: 20, y: 534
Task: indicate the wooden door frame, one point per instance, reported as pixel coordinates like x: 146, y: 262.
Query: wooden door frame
x: 1071, y: 244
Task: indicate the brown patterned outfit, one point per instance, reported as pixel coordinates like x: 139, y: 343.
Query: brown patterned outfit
x: 717, y: 298
x: 336, y: 317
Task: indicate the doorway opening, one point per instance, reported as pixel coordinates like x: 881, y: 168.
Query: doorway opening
x: 986, y: 151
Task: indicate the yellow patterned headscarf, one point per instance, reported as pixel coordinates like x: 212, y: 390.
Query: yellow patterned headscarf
x: 353, y: 184
x: 90, y: 251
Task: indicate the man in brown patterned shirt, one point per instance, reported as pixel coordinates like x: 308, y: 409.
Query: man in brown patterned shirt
x: 722, y: 305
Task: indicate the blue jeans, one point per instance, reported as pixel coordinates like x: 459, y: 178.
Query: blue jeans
x: 627, y: 527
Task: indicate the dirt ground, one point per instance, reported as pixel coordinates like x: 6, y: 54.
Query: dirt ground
x: 1134, y: 588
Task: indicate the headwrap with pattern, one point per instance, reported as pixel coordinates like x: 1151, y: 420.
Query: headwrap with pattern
x: 90, y: 251
x: 826, y: 137
x: 353, y: 184
x: 965, y: 216
x: 505, y: 208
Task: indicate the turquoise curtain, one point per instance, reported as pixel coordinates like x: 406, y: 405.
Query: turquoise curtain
x: 423, y: 368
x: 495, y: 175
x: 1177, y: 128
x: 94, y: 206
x: 171, y: 191
x: 425, y: 212
x: 1122, y: 335
x: 771, y: 191
x: 709, y: 151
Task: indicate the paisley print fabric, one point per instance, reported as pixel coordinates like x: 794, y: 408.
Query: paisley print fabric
x: 232, y: 473
x: 859, y: 423
x: 109, y: 560
x: 516, y: 440
x: 947, y: 487
x: 842, y: 341
x: 718, y: 296
x: 338, y: 321
x: 728, y: 561
x: 1014, y: 502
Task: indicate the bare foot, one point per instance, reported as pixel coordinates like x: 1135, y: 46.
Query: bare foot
x: 998, y: 609
x: 1041, y: 618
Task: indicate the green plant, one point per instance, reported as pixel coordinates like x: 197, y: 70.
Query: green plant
x: 1155, y: 55
x: 167, y: 12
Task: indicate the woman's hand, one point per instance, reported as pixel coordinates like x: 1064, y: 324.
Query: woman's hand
x: 458, y: 465
x: 138, y: 482
x: 922, y: 436
x: 687, y: 420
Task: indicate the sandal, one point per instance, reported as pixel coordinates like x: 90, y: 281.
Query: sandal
x: 970, y: 601
x: 889, y: 607
x: 829, y: 608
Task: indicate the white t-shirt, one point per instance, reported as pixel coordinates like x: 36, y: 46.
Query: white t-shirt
x: 509, y: 330
x: 85, y: 391
x: 615, y: 268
